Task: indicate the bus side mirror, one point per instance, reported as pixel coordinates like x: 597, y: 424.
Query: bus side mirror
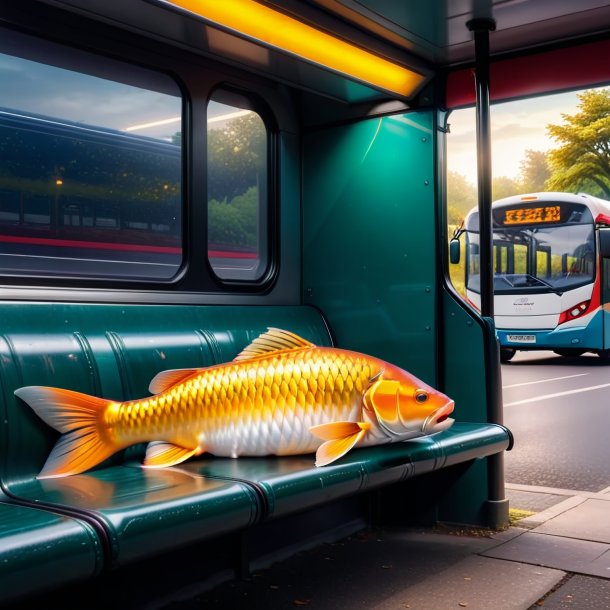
x: 454, y: 251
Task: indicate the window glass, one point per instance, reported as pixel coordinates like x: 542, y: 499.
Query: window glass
x: 90, y: 168
x: 237, y: 188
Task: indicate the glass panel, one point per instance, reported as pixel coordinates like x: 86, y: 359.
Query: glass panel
x: 90, y: 168
x: 237, y: 188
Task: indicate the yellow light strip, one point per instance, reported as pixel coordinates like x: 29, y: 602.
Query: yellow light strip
x: 154, y: 124
x: 273, y: 28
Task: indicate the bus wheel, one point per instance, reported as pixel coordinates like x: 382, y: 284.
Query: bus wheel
x: 570, y: 353
x: 507, y: 353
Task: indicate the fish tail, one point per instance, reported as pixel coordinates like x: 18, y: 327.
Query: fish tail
x: 80, y: 419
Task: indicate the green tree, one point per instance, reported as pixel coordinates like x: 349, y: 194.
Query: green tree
x: 535, y: 171
x: 234, y: 224
x: 236, y: 156
x: 582, y: 161
x: 503, y: 186
x: 461, y: 197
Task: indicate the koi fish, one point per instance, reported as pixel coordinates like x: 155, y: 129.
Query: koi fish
x: 282, y: 395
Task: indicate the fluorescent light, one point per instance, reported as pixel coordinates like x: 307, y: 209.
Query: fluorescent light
x: 215, y: 119
x: 278, y: 30
x: 175, y: 119
x: 228, y: 116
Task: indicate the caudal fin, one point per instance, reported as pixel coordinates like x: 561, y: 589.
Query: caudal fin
x: 79, y: 417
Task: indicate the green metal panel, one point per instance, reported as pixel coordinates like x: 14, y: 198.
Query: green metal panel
x: 369, y: 237
x: 464, y: 361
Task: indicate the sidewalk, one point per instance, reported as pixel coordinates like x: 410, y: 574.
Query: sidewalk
x: 557, y: 558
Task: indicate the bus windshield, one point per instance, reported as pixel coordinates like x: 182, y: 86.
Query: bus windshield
x: 537, y: 257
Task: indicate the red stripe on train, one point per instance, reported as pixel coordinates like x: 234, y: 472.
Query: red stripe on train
x: 76, y: 243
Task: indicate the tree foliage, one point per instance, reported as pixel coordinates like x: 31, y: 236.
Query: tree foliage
x: 236, y: 156
x: 234, y: 223
x: 582, y: 161
x: 535, y: 171
x: 461, y: 197
x: 503, y: 186
x: 237, y: 162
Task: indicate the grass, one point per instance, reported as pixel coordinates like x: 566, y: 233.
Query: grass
x: 516, y: 514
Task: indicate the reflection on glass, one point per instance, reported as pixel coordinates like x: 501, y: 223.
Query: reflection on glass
x: 82, y: 193
x: 237, y: 188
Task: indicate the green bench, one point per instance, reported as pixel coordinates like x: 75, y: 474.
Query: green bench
x: 66, y: 530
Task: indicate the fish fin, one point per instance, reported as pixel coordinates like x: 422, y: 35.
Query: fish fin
x: 166, y: 379
x: 382, y: 396
x: 340, y: 438
x: 80, y: 419
x: 160, y: 454
x: 273, y: 340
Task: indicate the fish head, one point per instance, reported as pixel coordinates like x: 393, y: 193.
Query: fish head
x: 405, y: 406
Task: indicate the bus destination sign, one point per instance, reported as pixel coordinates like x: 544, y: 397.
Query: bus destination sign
x: 526, y: 216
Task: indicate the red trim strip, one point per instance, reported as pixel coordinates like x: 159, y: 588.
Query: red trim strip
x: 76, y: 243
x: 92, y: 245
x: 584, y: 65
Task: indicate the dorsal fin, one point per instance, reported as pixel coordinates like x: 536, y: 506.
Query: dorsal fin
x: 274, y: 340
x: 166, y: 379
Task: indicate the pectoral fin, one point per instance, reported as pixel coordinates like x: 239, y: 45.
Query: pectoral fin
x: 340, y: 437
x: 160, y: 454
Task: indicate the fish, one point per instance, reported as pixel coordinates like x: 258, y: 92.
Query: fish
x: 281, y: 395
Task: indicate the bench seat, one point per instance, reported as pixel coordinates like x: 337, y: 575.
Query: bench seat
x: 294, y: 484
x: 33, y: 540
x: 139, y: 512
x: 119, y: 514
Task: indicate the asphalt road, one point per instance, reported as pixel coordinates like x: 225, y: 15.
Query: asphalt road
x: 559, y: 412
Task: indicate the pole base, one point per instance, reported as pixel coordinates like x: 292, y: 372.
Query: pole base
x: 497, y: 514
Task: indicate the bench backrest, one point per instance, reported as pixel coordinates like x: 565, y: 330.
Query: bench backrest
x: 114, y: 351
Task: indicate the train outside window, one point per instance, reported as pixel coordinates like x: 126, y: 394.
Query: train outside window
x: 238, y: 207
x: 90, y: 169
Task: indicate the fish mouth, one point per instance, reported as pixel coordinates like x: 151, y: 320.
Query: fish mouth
x: 439, y: 420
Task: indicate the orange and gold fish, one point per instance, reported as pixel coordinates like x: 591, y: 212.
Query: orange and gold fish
x: 282, y: 395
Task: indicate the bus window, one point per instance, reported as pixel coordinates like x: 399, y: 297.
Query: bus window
x: 543, y: 262
x: 88, y: 160
x: 238, y: 190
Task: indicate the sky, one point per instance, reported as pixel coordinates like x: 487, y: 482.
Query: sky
x: 516, y: 127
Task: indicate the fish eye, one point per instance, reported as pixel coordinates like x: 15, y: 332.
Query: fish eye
x: 421, y: 396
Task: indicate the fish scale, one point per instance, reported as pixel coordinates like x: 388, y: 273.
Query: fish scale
x: 281, y: 396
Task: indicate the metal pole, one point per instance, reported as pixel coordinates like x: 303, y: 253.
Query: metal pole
x: 481, y: 29
x: 497, y: 504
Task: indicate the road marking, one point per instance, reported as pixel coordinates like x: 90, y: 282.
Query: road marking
x: 517, y: 385
x: 547, y: 396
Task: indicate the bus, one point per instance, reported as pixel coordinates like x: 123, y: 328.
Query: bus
x: 550, y: 272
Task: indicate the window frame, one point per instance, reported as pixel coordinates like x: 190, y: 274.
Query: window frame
x: 269, y: 269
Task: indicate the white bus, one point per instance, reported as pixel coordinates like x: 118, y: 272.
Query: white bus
x: 551, y: 274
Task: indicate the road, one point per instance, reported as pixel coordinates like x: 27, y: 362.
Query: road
x: 559, y: 412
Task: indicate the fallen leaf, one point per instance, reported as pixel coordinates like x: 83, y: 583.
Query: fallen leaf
x: 463, y: 604
x: 301, y: 602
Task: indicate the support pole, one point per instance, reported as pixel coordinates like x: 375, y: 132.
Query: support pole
x: 481, y: 29
x: 497, y: 504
